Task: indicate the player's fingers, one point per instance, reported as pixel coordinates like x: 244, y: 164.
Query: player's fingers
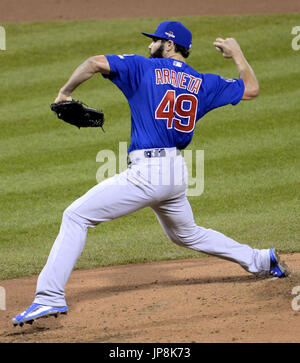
x: 217, y: 44
x: 61, y: 98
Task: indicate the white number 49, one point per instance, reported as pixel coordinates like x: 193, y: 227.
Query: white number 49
x: 296, y: 40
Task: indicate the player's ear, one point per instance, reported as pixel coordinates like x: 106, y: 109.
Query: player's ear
x: 170, y: 45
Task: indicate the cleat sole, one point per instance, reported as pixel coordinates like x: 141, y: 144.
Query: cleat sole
x: 30, y: 322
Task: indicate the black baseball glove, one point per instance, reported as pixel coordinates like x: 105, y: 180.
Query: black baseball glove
x: 78, y: 114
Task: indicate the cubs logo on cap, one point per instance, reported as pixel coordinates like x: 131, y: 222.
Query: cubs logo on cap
x: 170, y: 34
x: 173, y: 30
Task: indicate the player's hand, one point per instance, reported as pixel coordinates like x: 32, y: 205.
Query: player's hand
x: 229, y: 47
x: 62, y: 97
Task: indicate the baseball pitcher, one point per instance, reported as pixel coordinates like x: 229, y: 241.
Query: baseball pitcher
x: 166, y: 97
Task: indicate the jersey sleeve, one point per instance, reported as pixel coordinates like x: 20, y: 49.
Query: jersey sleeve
x: 221, y: 91
x: 126, y: 71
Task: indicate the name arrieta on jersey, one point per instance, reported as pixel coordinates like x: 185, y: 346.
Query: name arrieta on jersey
x: 177, y: 79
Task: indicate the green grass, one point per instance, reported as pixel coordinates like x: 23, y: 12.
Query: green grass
x: 251, y: 170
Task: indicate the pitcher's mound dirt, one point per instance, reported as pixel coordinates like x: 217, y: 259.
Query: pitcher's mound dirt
x: 197, y: 300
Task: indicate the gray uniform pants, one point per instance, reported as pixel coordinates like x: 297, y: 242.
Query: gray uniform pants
x: 159, y: 183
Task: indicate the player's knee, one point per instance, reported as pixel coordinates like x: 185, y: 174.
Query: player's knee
x: 69, y: 214
x: 72, y: 215
x: 181, y: 240
x: 178, y: 242
x: 189, y: 238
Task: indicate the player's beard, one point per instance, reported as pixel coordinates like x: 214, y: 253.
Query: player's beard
x: 158, y: 53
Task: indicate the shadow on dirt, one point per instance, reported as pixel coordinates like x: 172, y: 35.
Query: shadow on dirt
x: 101, y: 292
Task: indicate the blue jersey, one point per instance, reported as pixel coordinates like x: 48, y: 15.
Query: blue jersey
x: 167, y: 97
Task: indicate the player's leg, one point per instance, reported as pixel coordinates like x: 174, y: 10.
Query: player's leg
x: 176, y: 218
x: 108, y: 200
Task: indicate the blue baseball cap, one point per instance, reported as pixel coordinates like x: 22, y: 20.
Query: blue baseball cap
x: 173, y: 30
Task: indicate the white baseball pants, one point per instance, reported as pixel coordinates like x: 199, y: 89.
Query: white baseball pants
x: 156, y: 182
